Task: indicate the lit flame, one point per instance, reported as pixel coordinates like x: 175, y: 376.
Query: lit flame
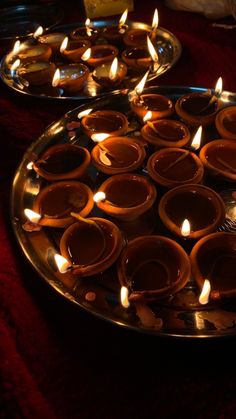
x: 155, y: 20
x: 62, y: 263
x: 32, y: 216
x: 124, y: 297
x: 140, y: 86
x: 84, y: 113
x: 64, y: 44
x: 86, y: 55
x: 113, y: 69
x: 15, y: 65
x: 88, y: 28
x: 123, y: 18
x: 30, y: 165
x: 152, y: 50
x: 99, y: 196
x: 99, y: 137
x: 219, y: 86
x: 185, y: 229
x: 38, y: 32
x: 205, y: 293
x: 147, y: 116
x: 16, y: 47
x: 56, y: 78
x: 197, y: 139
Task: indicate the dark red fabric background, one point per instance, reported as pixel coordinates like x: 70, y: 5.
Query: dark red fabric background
x: 58, y: 362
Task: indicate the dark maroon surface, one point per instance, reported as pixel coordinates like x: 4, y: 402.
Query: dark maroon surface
x: 56, y: 361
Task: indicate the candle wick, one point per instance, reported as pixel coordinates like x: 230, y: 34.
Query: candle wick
x: 212, y: 100
x: 180, y: 158
x: 109, y: 153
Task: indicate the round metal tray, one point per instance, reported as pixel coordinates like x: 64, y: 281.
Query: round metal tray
x: 167, y: 45
x: 181, y: 314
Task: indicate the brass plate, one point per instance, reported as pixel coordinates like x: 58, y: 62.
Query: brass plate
x: 181, y: 315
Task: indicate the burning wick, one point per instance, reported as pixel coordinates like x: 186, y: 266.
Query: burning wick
x: 32, y: 216
x: 64, y: 44
x: 185, y: 229
x: 140, y: 86
x: 62, y: 263
x: 99, y: 137
x: 197, y: 139
x: 216, y: 95
x: 155, y: 21
x: 205, y: 293
x: 153, y: 54
x: 99, y: 196
x: 147, y: 116
x: 113, y: 69
x: 56, y: 78
x: 122, y: 21
x: 124, y: 297
x: 86, y: 55
x: 38, y: 32
x: 88, y: 27
x: 84, y: 113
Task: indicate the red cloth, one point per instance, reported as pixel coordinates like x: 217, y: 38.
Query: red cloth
x: 57, y: 361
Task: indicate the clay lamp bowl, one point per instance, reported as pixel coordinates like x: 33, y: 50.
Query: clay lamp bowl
x: 37, y: 73
x: 219, y: 159
x: 63, y: 161
x: 160, y: 106
x: 153, y: 267
x: 111, y: 122
x: 138, y: 37
x: 172, y: 166
x: 37, y: 52
x: 75, y: 50
x: 71, y: 77
x: 226, y: 123
x: 118, y: 155
x: 100, y: 54
x: 137, y: 58
x: 198, y: 108
x: 90, y: 34
x: 127, y: 196
x: 214, y: 258
x: 200, y: 205
x: 102, y: 74
x: 57, y: 202
x: 92, y: 245
x: 114, y: 34
x: 166, y: 133
x: 52, y: 39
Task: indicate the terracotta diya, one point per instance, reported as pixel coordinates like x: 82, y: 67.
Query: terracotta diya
x: 111, y: 122
x: 99, y: 54
x: 127, y: 196
x: 118, y: 155
x: 35, y: 53
x: 52, y: 39
x: 114, y: 33
x: 200, y: 205
x: 137, y: 58
x: 219, y: 158
x: 37, y: 73
x: 75, y: 49
x: 214, y: 258
x: 56, y: 202
x: 198, y: 108
x: 63, y: 161
x: 166, y: 133
x: 137, y: 37
x: 92, y: 245
x: 87, y: 32
x: 145, y: 268
x: 71, y: 77
x: 107, y: 77
x: 172, y: 166
x: 226, y: 123
x: 160, y: 106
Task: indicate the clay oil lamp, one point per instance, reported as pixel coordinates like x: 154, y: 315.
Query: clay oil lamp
x: 73, y: 50
x: 118, y: 155
x: 91, y: 246
x: 166, y: 133
x: 137, y: 58
x: 37, y: 52
x: 160, y: 106
x: 172, y: 166
x: 57, y: 202
x: 110, y: 75
x: 213, y: 258
x: 63, y: 161
x: 113, y: 123
x: 201, y: 208
x: 88, y: 32
x: 145, y: 269
x: 37, y: 73
x: 219, y: 158
x: 226, y: 123
x: 114, y: 33
x: 99, y: 54
x: 126, y: 196
x: 71, y: 77
x: 136, y: 37
x: 52, y: 39
x: 200, y: 108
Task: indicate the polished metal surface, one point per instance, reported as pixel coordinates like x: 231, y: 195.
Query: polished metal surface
x: 178, y: 316
x: 167, y: 45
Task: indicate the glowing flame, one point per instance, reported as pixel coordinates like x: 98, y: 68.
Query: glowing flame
x: 140, y: 86
x: 99, y: 196
x: 38, y: 32
x: 88, y: 28
x: 16, y: 47
x: 32, y: 216
x: 64, y: 44
x: 147, y: 116
x: 84, y: 113
x: 86, y: 55
x: 30, y: 165
x: 197, y: 139
x: 113, y: 69
x: 185, y: 229
x: 152, y: 50
x: 99, y: 137
x: 124, y: 297
x: 205, y: 293
x: 56, y: 78
x: 155, y: 20
x: 62, y: 263
x: 123, y: 18
x: 15, y: 65
x: 219, y: 86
